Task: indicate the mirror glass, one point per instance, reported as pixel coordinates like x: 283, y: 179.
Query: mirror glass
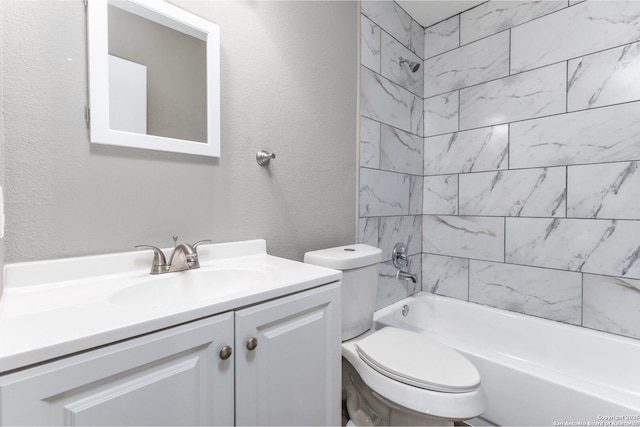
x: 154, y: 77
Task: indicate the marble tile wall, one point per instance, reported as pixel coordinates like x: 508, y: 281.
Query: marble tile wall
x: 485, y: 60
x: 531, y: 160
x: 392, y: 141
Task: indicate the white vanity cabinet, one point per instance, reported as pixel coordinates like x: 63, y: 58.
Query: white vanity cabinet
x: 288, y: 359
x: 171, y: 377
x: 177, y: 376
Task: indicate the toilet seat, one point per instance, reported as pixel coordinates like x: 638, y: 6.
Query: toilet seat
x: 417, y: 360
x: 447, y: 405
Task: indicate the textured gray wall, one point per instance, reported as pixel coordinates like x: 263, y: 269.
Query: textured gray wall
x: 289, y: 84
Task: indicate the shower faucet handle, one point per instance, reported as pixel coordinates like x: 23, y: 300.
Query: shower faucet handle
x: 400, y: 256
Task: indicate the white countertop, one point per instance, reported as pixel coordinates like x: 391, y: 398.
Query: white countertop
x: 54, y: 308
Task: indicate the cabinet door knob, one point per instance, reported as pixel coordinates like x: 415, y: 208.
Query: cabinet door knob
x: 225, y: 352
x: 252, y: 343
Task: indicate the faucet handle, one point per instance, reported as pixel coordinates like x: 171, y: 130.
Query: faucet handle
x: 159, y: 264
x: 199, y: 242
x: 400, y: 256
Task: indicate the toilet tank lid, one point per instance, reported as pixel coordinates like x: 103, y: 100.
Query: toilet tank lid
x: 345, y: 257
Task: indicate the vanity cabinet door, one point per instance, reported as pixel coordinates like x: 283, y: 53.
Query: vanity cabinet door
x: 171, y: 377
x: 288, y: 360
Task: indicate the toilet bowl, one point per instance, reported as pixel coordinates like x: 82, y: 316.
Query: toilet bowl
x: 393, y: 376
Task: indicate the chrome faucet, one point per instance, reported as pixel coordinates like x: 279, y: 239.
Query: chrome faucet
x: 401, y: 260
x: 401, y: 274
x: 184, y: 257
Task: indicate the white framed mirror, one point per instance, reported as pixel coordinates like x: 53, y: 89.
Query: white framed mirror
x: 154, y: 77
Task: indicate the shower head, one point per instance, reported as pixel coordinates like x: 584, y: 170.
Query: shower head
x: 413, y: 65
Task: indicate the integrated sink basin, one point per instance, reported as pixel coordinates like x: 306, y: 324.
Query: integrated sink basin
x: 54, y: 308
x: 192, y: 287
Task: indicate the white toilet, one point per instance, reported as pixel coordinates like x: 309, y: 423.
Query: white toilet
x: 393, y: 376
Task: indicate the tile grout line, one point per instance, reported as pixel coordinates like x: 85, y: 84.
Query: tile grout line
x: 459, y: 92
x: 468, y: 279
x: 582, y: 299
x: 510, y: 50
x: 459, y: 31
x: 566, y: 94
x: 566, y: 192
x: 504, y: 237
x: 458, y: 195
x: 509, y: 146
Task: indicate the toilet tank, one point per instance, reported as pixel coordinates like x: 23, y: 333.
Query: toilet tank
x: 359, y: 266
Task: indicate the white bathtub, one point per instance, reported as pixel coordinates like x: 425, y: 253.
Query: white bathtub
x: 534, y: 371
